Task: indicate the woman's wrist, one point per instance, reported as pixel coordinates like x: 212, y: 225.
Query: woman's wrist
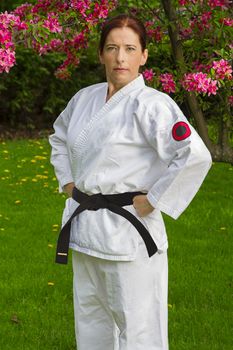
x: 68, y: 188
x: 142, y: 205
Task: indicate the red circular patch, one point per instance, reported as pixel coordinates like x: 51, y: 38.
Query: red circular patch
x: 181, y: 131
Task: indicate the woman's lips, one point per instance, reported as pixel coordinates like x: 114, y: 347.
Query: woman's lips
x: 120, y: 69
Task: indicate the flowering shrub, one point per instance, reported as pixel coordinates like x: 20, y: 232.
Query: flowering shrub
x: 51, y: 26
x: 198, y: 82
x: 204, y: 30
x: 193, y: 59
x: 8, y: 23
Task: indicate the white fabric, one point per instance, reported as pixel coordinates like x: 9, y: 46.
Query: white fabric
x: 121, y: 305
x: 125, y: 145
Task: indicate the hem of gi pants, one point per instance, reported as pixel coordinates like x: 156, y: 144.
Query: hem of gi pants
x: 111, y: 277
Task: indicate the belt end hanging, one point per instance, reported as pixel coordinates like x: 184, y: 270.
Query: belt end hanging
x: 151, y: 248
x: 61, y: 258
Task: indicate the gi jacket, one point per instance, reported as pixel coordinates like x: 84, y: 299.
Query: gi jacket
x: 139, y: 140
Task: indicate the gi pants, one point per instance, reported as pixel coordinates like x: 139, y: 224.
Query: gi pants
x: 121, y: 305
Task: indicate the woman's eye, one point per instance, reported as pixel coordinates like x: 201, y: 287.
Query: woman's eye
x: 110, y: 48
x: 130, y: 48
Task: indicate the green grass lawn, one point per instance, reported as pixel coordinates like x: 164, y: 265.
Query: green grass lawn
x: 36, y: 310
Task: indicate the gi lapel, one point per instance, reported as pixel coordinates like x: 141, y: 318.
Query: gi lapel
x: 81, y: 142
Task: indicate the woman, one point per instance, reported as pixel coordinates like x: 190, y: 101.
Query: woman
x: 114, y: 138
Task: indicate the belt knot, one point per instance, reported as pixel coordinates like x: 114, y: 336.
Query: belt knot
x: 97, y: 201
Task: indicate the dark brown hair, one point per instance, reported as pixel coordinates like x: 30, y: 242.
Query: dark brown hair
x: 121, y: 21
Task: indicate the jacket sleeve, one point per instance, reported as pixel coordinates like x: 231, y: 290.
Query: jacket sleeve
x: 59, y: 153
x: 185, y: 156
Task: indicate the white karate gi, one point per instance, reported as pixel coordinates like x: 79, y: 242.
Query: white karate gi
x: 128, y: 144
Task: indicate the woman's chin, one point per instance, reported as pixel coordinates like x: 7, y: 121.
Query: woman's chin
x: 122, y: 78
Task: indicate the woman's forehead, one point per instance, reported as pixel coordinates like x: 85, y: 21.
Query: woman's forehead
x: 123, y: 35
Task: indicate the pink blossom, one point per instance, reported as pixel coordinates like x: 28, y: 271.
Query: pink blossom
x: 9, y: 21
x: 54, y: 45
x: 206, y: 17
x: 45, y: 6
x: 5, y: 36
x: 100, y: 10
x: 63, y: 71
x: 92, y: 11
x: 41, y: 5
x: 224, y: 4
x: 52, y: 23
x: 183, y: 2
x: 201, y: 22
x: 148, y: 74
x: 23, y: 10
x: 35, y: 20
x: 43, y: 49
x: 79, y: 41
x: 185, y: 32
x: 212, y: 88
x: 198, y: 66
x: 227, y: 22
x: 7, y: 60
x: 22, y: 26
x: 168, y: 82
x: 200, y: 83
x: 222, y: 69
x: 153, y: 31
x: 81, y: 5
x: 71, y: 58
x: 230, y: 100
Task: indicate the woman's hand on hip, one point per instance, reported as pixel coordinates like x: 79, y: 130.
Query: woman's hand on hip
x: 68, y: 188
x: 142, y: 205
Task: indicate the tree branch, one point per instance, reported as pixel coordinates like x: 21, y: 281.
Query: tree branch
x: 179, y: 60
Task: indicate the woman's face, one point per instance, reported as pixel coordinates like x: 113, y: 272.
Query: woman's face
x: 122, y: 56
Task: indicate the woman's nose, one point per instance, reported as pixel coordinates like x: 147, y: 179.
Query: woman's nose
x: 120, y: 55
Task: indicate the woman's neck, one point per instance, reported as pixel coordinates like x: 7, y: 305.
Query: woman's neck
x: 112, y: 89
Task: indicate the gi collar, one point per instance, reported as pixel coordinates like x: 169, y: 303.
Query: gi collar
x: 137, y: 83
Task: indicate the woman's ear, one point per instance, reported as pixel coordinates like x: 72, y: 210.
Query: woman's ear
x: 101, y: 58
x: 144, y: 57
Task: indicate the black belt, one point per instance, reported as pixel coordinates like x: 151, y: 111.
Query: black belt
x: 113, y: 202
